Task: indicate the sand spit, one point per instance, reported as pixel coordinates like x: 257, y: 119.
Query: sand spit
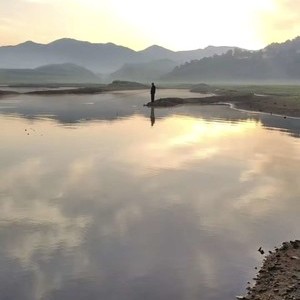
x: 279, y: 276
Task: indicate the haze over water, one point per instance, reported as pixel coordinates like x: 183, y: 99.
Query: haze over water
x: 102, y: 198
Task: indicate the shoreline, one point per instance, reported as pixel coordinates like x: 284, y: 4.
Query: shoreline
x: 279, y: 276
x: 248, y: 102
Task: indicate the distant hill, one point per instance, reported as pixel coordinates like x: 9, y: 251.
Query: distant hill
x: 144, y: 72
x: 98, y: 57
x: 277, y: 62
x: 72, y: 61
x: 57, y: 73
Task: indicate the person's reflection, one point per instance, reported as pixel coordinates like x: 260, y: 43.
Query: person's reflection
x: 152, y: 116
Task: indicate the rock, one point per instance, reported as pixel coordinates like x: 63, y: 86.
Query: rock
x: 295, y: 244
x: 284, y: 246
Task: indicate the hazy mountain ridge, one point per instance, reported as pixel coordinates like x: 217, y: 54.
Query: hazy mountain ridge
x: 72, y: 61
x: 144, y: 72
x: 55, y: 73
x: 98, y: 57
x: 276, y: 62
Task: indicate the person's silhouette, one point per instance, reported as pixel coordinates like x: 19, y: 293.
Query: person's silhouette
x: 152, y: 116
x: 152, y: 92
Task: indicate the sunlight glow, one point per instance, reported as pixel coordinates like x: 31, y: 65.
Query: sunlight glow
x: 139, y: 24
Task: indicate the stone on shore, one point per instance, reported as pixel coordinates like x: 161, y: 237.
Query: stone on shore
x: 279, y: 277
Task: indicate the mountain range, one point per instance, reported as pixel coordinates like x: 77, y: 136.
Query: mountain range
x: 276, y: 63
x: 72, y: 61
x: 97, y: 57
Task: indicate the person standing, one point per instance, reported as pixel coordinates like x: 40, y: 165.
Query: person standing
x: 152, y: 92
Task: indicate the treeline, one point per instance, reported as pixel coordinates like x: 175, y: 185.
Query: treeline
x: 275, y: 62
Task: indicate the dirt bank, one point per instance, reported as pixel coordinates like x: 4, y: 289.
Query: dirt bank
x: 279, y: 277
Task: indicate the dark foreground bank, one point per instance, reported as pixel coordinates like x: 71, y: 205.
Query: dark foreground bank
x: 279, y: 277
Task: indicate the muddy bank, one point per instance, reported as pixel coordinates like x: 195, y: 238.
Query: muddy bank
x: 250, y: 102
x: 279, y: 276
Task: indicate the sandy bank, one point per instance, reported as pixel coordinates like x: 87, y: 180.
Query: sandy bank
x: 279, y: 276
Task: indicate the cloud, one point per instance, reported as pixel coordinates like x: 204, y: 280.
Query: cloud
x: 192, y: 25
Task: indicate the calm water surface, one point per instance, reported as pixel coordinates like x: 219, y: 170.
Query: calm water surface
x: 102, y: 198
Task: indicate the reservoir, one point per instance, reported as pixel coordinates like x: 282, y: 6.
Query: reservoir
x: 103, y: 198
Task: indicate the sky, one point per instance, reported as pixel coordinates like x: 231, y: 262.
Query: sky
x: 138, y: 24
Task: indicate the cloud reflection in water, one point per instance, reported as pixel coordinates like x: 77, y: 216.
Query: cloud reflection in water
x: 123, y: 210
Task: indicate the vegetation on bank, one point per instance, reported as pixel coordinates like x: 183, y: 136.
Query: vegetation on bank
x: 276, y: 62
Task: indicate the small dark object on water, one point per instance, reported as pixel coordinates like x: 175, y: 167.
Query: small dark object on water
x: 261, y: 251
